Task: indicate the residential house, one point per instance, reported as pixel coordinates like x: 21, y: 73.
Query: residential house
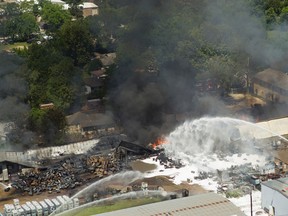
x: 89, y: 9
x: 100, y: 74
x: 106, y: 59
x: 91, y: 123
x: 93, y: 85
x: 272, y: 85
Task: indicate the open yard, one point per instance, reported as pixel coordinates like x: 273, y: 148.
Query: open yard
x: 113, y: 206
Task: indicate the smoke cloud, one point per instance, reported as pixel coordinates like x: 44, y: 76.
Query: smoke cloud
x: 12, y: 88
x: 144, y: 100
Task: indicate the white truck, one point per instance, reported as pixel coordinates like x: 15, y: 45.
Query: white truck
x: 38, y: 208
x: 8, y: 209
x: 70, y: 204
x: 45, y: 208
x: 57, y: 205
x: 27, y: 210
x: 63, y: 203
x: 50, y: 205
x: 76, y: 202
x: 32, y: 207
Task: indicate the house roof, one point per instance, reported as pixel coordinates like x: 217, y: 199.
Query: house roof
x: 206, y: 204
x: 274, y: 77
x: 87, y: 5
x: 93, y: 82
x: 90, y: 118
x: 106, y: 59
x: 58, y: 2
x: 280, y: 185
x: 98, y: 73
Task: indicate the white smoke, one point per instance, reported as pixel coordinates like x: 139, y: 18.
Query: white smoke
x: 208, y: 136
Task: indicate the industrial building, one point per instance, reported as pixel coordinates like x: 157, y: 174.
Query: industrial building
x: 272, y: 85
x: 203, y: 204
x: 274, y: 196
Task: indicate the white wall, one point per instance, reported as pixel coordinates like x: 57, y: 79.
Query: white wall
x: 270, y: 197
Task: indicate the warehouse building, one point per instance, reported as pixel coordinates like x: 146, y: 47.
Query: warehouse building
x: 203, y: 204
x: 274, y: 196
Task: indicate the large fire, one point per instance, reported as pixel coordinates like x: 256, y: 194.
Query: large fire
x: 159, y: 141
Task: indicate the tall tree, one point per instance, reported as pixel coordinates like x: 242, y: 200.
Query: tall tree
x: 76, y: 42
x: 54, y: 16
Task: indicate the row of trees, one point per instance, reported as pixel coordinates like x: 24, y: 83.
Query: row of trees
x: 21, y: 21
x: 171, y: 43
x: 54, y: 67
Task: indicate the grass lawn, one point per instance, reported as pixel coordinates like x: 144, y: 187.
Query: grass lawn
x: 19, y: 45
x: 112, y: 206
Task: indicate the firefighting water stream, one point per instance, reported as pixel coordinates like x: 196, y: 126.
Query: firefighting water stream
x: 206, y: 144
x: 124, y: 178
x: 207, y: 136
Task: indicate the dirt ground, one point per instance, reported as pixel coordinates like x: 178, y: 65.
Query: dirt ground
x: 164, y: 181
x: 7, y: 197
x: 242, y: 101
x: 141, y: 166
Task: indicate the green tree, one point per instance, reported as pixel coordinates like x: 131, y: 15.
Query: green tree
x: 76, y: 41
x: 284, y: 15
x: 11, y: 10
x: 54, y: 16
x: 21, y: 27
x: 75, y: 8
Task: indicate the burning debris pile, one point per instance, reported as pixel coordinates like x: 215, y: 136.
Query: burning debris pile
x: 168, y: 162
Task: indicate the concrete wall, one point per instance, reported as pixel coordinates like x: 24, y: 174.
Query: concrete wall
x: 267, y: 93
x: 49, y: 152
x: 90, y: 12
x: 270, y: 197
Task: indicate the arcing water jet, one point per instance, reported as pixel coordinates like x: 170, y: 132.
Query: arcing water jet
x: 123, y: 178
x: 129, y: 195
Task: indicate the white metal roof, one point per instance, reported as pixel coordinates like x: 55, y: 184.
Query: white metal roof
x: 267, y: 129
x: 203, y: 204
x: 86, y: 5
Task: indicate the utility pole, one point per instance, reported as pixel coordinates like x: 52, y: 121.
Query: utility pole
x: 251, y: 207
x: 247, y: 76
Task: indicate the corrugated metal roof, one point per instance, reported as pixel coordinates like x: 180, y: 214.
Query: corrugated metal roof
x: 280, y: 185
x: 203, y: 204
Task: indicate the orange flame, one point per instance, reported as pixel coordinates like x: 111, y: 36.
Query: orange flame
x: 159, y: 141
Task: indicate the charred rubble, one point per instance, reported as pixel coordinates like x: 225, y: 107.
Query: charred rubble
x: 110, y: 156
